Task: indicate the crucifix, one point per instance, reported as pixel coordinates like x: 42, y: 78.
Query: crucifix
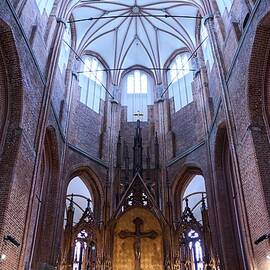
x: 138, y: 235
x: 138, y: 115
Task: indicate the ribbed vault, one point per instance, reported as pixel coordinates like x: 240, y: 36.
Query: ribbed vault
x: 136, y: 32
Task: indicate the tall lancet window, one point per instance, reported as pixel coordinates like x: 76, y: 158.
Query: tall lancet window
x: 223, y: 5
x: 91, y: 81
x: 206, y: 46
x: 45, y: 5
x: 180, y: 76
x: 137, y: 95
x: 65, y: 49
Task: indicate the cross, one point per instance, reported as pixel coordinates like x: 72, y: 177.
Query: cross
x: 138, y: 114
x: 138, y: 234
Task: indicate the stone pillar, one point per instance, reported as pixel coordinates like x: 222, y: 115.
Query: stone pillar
x: 161, y: 132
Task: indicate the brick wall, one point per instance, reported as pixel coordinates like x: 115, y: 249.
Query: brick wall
x: 85, y: 129
x: 24, y: 75
x: 18, y: 155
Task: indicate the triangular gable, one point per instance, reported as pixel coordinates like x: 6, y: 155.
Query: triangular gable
x: 137, y: 195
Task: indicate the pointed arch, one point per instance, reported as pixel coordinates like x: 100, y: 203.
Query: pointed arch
x: 256, y: 139
x: 11, y: 104
x: 226, y: 204
x: 179, y: 185
x: 258, y: 82
x: 92, y: 182
x: 48, y: 193
x: 11, y: 97
x: 83, y: 218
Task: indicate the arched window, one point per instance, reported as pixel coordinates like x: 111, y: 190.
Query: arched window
x: 81, y: 197
x: 194, y: 204
x: 223, y: 4
x: 137, y: 95
x: 65, y: 49
x: 194, y: 192
x: 180, y: 76
x: 207, y: 50
x: 91, y: 81
x: 79, y: 227
x: 45, y: 5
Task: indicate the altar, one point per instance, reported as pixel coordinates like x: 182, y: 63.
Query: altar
x: 138, y: 242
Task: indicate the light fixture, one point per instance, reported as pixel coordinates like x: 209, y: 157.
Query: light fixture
x: 262, y: 238
x: 11, y: 239
x: 3, y: 257
x: 268, y: 257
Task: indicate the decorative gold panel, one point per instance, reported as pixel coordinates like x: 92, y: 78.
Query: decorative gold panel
x: 151, y: 249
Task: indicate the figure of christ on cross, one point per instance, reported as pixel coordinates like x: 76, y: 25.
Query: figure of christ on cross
x: 138, y: 235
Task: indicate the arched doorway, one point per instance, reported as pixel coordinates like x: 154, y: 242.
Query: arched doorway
x: 46, y: 213
x: 81, y: 235
x: 138, y: 242
x: 193, y: 243
x: 194, y: 199
x: 231, y: 252
x: 11, y: 118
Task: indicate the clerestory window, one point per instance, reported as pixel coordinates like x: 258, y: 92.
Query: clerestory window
x: 65, y: 50
x: 45, y: 5
x: 137, y: 95
x: 91, y: 81
x: 180, y: 76
x: 223, y: 5
x: 207, y: 50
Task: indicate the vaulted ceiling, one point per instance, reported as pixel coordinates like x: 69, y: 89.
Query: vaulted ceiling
x: 136, y: 32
